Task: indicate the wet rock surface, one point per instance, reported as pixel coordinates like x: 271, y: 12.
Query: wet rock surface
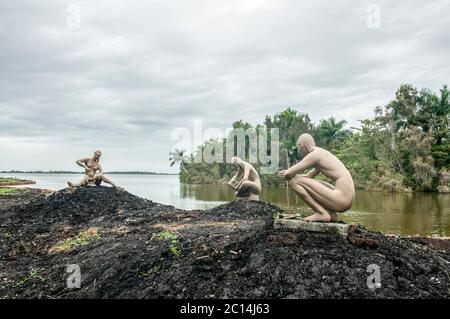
x: 142, y: 249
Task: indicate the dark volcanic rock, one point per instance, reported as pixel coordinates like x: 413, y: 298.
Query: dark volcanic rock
x: 142, y: 249
x: 82, y: 204
x: 23, y: 197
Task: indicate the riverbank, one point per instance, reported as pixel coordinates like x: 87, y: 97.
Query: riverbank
x: 130, y: 247
x: 425, y: 214
x: 8, y: 181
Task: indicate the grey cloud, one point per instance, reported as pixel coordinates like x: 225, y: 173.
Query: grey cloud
x: 138, y: 69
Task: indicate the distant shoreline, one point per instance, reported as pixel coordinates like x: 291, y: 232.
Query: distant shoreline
x: 72, y: 172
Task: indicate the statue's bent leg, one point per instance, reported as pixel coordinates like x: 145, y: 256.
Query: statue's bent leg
x: 108, y: 181
x: 327, y: 184
x: 83, y: 182
x: 321, y: 213
x: 249, y: 189
x: 334, y: 216
x: 331, y: 199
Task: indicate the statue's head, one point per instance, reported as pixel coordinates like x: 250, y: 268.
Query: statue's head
x: 305, y: 144
x: 97, y: 155
x: 236, y: 161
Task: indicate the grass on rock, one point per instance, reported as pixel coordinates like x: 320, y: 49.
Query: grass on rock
x: 7, y: 191
x: 83, y: 238
x: 174, y: 244
x: 8, y: 179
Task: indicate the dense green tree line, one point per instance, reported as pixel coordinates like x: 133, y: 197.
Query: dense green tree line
x: 404, y: 147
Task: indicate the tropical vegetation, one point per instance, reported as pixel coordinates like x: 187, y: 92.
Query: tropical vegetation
x: 405, y: 146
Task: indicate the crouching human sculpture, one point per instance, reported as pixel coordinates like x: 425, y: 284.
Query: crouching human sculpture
x: 94, y: 172
x: 325, y: 199
x: 246, y: 182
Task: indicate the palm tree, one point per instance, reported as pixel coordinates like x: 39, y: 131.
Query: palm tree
x: 285, y: 119
x: 178, y: 156
x: 330, y: 130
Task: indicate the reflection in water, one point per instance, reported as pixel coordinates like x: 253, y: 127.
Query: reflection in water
x: 407, y: 214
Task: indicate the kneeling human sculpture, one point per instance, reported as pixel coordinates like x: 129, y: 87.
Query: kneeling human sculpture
x: 324, y: 198
x: 246, y: 182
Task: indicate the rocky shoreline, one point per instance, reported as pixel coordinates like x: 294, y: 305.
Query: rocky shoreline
x: 130, y: 247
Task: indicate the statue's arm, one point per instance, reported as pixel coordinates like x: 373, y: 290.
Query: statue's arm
x: 245, y: 177
x: 307, y: 162
x: 313, y: 173
x: 83, y: 163
x: 235, y: 175
x: 246, y: 173
x: 232, y: 181
x: 99, y: 171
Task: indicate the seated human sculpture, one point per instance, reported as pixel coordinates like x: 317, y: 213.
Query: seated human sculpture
x: 324, y: 198
x: 94, y: 172
x: 246, y: 182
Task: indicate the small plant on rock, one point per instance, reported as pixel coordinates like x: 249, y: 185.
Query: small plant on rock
x: 167, y: 235
x: 83, y: 238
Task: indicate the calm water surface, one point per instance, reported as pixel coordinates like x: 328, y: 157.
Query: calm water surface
x: 418, y: 213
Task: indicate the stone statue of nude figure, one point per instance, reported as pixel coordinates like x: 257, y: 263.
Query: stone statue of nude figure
x: 246, y: 182
x: 323, y: 198
x: 94, y: 172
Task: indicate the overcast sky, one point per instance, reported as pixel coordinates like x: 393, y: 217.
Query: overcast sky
x: 133, y: 71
